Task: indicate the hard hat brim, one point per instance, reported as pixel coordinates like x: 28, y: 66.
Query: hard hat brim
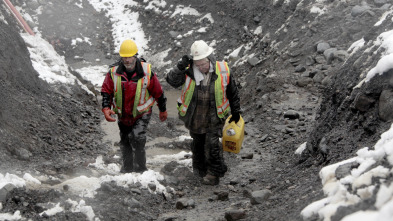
x: 199, y: 57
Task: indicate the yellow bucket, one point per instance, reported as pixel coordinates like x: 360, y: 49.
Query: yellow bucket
x: 233, y: 135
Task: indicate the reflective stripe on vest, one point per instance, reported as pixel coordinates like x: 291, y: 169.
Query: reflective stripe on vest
x: 222, y: 102
x: 186, y: 95
x: 118, y: 98
x: 143, y: 101
x: 142, y: 94
x: 221, y: 84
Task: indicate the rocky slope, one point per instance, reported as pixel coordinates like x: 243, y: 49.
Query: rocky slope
x: 297, y: 82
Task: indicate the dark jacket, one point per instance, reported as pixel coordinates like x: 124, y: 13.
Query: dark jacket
x: 176, y: 78
x: 129, y: 85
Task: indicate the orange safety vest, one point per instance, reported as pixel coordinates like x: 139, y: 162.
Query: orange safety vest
x: 220, y: 87
x: 143, y: 100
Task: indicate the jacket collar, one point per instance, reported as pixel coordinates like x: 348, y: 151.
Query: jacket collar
x: 213, y: 61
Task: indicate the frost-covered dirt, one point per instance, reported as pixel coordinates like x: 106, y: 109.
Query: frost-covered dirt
x: 290, y: 93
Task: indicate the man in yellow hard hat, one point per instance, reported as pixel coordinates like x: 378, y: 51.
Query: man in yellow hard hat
x: 131, y: 88
x: 209, y: 92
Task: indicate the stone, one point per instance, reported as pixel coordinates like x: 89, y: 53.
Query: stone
x: 363, y: 102
x: 304, y: 81
x: 318, y: 78
x: 174, y: 34
x: 253, y: 61
x: 357, y: 10
x: 310, y: 60
x: 247, y: 156
x: 235, y: 215
x: 23, y: 154
x: 152, y: 186
x: 191, y: 203
x: 322, y: 47
x: 291, y: 114
x: 320, y: 59
x: 341, y: 55
x: 5, y: 190
x: 327, y: 81
x: 223, y: 196
x: 329, y: 54
x: 260, y: 196
x: 380, y: 2
x: 181, y: 203
x: 386, y: 105
x: 345, y: 169
x: 300, y: 68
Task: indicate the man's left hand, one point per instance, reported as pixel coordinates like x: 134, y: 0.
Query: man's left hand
x: 235, y: 117
x: 163, y: 116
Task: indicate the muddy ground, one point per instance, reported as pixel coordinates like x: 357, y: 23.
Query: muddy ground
x: 290, y: 94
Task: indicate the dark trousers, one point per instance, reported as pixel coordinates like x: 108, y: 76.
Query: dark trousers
x: 207, y: 155
x: 132, y: 144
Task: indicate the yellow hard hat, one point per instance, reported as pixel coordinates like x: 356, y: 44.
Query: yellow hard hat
x: 128, y: 48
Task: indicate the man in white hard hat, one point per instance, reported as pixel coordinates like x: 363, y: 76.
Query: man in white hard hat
x: 130, y: 88
x: 208, y: 94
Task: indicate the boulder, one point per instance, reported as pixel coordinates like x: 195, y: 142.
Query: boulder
x: 386, y: 105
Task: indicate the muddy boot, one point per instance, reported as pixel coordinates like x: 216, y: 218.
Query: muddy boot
x: 128, y: 161
x: 198, y: 174
x: 210, y: 180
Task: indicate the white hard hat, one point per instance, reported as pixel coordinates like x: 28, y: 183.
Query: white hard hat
x: 199, y: 50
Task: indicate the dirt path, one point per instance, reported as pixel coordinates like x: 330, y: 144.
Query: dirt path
x: 266, y: 161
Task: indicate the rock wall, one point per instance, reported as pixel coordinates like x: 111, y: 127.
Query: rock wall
x: 41, y: 126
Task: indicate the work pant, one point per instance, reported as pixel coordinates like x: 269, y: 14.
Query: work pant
x: 132, y: 144
x: 207, y: 155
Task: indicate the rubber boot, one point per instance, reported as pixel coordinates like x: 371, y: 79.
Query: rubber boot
x: 210, y: 180
x: 138, y: 142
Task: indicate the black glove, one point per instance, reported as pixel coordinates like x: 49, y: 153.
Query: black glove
x: 235, y: 117
x: 185, y: 62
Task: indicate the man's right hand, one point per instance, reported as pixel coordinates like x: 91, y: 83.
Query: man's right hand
x: 107, y: 113
x: 186, y: 61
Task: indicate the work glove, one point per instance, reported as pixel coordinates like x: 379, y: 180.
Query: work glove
x: 235, y: 117
x: 186, y: 61
x: 107, y: 113
x: 163, y: 116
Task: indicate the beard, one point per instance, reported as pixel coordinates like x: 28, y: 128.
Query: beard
x: 129, y: 66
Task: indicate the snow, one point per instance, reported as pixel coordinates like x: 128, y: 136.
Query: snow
x: 29, y: 178
x: 383, y: 17
x: 10, y: 217
x: 358, y: 185
x: 184, y: 10
x: 385, y: 43
x: 125, y: 22
x: 301, y: 148
x: 155, y: 5
x: 208, y: 16
x: 11, y: 179
x: 94, y: 74
x: 356, y: 46
x: 49, y: 65
x: 80, y: 40
x: 258, y: 30
x: 53, y: 211
x: 317, y: 10
x: 82, y: 208
x: 2, y: 19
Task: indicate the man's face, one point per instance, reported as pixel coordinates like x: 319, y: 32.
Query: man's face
x: 129, y: 62
x: 203, y: 65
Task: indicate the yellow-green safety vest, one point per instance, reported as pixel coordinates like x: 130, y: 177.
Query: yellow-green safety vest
x: 143, y: 100
x: 220, y: 86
